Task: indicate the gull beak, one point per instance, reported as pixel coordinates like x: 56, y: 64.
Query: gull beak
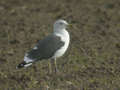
x: 70, y: 25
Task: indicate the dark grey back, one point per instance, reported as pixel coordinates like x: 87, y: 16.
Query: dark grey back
x: 46, y: 48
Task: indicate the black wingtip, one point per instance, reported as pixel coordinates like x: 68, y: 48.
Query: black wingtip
x: 21, y: 65
x: 24, y: 64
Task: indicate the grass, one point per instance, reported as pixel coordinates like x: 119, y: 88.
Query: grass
x: 92, y: 60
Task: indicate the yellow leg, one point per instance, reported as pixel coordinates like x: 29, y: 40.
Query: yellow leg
x: 55, y: 63
x: 50, y: 68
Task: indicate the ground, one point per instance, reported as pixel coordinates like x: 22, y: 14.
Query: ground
x: 92, y: 61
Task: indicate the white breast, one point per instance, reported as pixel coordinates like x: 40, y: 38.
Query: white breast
x: 65, y: 38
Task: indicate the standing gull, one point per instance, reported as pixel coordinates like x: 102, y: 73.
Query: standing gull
x: 51, y: 47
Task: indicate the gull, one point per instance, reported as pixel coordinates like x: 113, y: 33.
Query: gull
x: 51, y: 47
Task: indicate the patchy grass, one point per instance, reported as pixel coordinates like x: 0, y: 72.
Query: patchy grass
x: 92, y: 61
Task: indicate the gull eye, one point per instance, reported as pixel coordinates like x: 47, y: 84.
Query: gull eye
x: 61, y: 23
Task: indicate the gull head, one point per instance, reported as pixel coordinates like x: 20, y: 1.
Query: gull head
x: 60, y: 24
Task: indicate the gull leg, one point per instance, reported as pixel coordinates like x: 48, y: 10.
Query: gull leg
x: 50, y: 68
x: 55, y: 63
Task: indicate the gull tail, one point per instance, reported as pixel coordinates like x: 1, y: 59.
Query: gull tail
x: 23, y: 64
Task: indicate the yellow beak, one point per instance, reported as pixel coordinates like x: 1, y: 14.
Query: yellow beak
x: 70, y: 25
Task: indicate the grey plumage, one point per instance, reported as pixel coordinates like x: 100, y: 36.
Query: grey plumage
x: 46, y: 48
x: 52, y: 46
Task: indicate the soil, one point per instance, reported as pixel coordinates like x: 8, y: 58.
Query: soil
x: 92, y: 61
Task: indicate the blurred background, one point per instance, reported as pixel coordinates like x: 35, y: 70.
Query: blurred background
x: 92, y: 61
